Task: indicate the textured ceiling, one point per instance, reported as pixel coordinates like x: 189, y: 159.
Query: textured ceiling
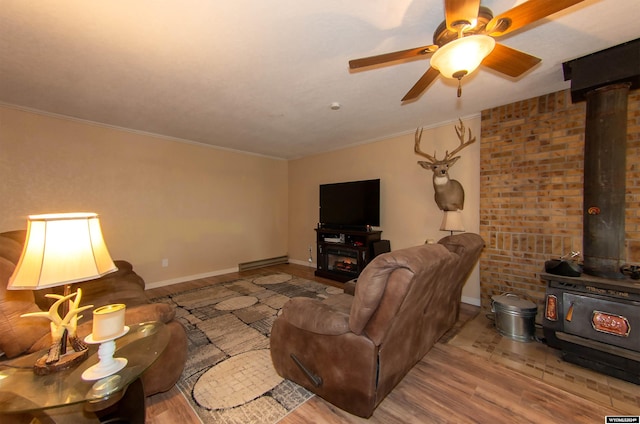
x: 260, y: 76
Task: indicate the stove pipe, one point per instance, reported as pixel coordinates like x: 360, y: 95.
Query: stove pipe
x: 605, y: 78
x: 605, y: 180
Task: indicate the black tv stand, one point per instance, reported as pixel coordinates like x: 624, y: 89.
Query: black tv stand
x: 342, y: 254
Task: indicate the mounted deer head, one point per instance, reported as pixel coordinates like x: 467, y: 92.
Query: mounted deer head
x: 449, y: 194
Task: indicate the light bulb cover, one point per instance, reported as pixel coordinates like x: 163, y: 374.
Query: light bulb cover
x: 462, y: 56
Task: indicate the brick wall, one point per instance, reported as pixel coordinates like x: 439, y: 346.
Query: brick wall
x: 531, y: 190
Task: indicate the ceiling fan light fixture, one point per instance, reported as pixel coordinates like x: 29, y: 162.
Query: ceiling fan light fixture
x: 462, y: 56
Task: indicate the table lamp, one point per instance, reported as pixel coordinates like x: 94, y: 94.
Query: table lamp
x: 452, y: 221
x: 61, y: 249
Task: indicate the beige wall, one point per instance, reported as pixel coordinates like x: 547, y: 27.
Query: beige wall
x: 207, y: 209
x: 409, y: 214
x: 203, y: 209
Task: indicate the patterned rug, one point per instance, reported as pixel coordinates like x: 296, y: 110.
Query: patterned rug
x: 229, y: 377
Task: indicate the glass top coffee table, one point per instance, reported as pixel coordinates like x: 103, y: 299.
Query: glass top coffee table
x: 22, y: 391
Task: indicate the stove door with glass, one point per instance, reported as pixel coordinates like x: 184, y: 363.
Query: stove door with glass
x: 595, y: 323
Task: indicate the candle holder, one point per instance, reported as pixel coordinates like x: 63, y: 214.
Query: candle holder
x: 107, y: 365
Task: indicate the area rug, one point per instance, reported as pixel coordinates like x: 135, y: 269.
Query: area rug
x: 229, y: 376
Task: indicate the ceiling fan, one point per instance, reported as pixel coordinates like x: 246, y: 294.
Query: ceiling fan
x: 467, y: 35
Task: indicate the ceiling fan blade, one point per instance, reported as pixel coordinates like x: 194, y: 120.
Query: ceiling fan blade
x: 459, y: 12
x: 524, y: 14
x: 509, y: 61
x: 422, y: 84
x: 390, y: 57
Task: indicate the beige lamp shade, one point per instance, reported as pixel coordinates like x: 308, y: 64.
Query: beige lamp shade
x: 452, y: 221
x: 61, y: 249
x: 462, y: 56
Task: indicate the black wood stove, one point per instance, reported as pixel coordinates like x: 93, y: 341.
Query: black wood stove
x: 595, y: 322
x: 594, y: 318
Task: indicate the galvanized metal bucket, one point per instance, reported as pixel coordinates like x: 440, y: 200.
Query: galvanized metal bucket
x: 514, y: 317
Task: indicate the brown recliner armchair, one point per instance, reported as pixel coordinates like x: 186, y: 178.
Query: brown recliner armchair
x: 353, y: 352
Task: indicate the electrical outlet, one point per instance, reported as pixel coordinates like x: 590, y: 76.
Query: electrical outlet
x: 165, y: 263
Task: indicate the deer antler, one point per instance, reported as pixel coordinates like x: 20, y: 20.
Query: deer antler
x: 460, y: 132
x: 416, y: 147
x: 59, y: 324
x: 52, y: 314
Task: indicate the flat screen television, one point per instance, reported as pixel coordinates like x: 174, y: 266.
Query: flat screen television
x: 350, y: 205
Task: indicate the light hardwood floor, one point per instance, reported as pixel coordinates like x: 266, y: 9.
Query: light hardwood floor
x: 448, y: 385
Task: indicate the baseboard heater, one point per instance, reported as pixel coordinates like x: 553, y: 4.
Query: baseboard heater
x: 263, y: 262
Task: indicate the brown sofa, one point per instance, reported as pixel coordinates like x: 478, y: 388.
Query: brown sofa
x: 352, y: 352
x: 25, y: 335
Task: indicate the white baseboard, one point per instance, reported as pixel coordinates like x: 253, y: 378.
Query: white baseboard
x: 470, y: 300
x: 163, y: 283
x: 303, y: 263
